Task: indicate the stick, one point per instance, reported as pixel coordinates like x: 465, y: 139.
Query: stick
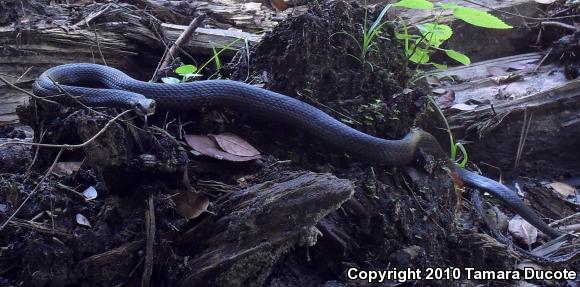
x: 25, y: 91
x: 185, y: 36
x: 73, y: 146
x: 150, y: 233
x: 48, y: 172
x: 560, y: 25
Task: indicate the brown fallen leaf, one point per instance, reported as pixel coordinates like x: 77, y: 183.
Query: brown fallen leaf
x: 523, y: 231
x: 497, y: 70
x: 279, y: 5
x: 562, y: 188
x: 463, y: 107
x: 209, y: 147
x: 433, y: 81
x: 565, y: 190
x: 233, y: 144
x: 190, y: 205
x: 66, y: 168
x: 439, y: 91
x: 446, y: 100
x: 514, y: 91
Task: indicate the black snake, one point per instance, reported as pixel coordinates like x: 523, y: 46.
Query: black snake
x: 97, y: 85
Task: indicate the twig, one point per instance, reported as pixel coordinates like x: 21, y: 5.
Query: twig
x: 185, y: 36
x: 543, y: 59
x: 91, y: 17
x: 560, y: 25
x: 68, y: 146
x: 42, y: 133
x: 48, y: 172
x: 99, y: 46
x: 523, y: 136
x: 25, y: 91
x: 567, y: 218
x: 23, y: 74
x: 150, y: 230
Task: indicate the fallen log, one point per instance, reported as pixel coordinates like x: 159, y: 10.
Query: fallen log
x: 477, y: 42
x: 255, y: 226
x: 532, y: 128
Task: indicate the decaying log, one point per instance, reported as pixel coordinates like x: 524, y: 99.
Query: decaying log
x: 115, y: 34
x: 255, y: 226
x: 115, y: 263
x: 551, y: 118
x: 481, y: 43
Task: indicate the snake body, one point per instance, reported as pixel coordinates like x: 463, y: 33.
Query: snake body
x: 97, y: 85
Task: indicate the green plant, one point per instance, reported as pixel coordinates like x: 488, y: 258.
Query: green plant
x: 186, y: 72
x: 189, y: 72
x: 454, y: 145
x: 418, y: 47
x: 372, y: 111
x: 369, y: 35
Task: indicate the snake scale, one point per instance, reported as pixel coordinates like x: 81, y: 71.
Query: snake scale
x: 101, y: 86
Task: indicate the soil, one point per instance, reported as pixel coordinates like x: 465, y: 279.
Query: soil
x: 267, y: 215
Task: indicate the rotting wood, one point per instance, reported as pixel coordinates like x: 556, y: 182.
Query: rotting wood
x: 257, y: 225
x: 114, y: 34
x: 482, y: 43
x: 170, y: 54
x: 552, y: 136
x: 118, y: 261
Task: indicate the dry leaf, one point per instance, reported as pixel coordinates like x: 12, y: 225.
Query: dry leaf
x: 233, y: 144
x: 497, y: 70
x: 501, y: 80
x: 563, y: 189
x: 439, y: 91
x: 446, y: 100
x: 66, y: 168
x: 433, y: 81
x: 82, y: 220
x: 522, y: 231
x: 529, y: 264
x: 515, y: 91
x: 545, y: 1
x: 463, y: 107
x: 190, y: 205
x: 209, y: 147
x: 279, y: 5
x: 90, y: 193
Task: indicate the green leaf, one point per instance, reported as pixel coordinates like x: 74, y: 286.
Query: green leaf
x: 186, y: 69
x: 465, y: 156
x: 415, y: 4
x: 461, y: 58
x: 440, y: 67
x: 435, y: 34
x: 479, y: 18
x: 449, y: 5
x: 170, y: 80
x: 419, y: 55
x: 380, y: 18
x: 402, y: 36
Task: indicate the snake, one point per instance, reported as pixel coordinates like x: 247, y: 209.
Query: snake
x: 94, y: 85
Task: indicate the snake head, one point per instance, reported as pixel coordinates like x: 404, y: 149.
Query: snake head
x: 144, y: 107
